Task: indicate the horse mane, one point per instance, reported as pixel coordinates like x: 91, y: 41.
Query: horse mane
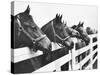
x: 46, y: 26
x: 57, y: 19
x: 74, y: 26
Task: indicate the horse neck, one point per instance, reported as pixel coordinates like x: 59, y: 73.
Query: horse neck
x: 85, y: 36
x: 68, y: 30
x: 48, y: 30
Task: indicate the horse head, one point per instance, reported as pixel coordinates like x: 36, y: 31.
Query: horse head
x: 82, y: 31
x: 72, y: 32
x: 91, y: 31
x: 27, y: 33
x: 56, y: 32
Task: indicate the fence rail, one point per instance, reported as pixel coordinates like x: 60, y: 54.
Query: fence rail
x: 72, y: 56
x: 82, y: 50
x: 69, y: 57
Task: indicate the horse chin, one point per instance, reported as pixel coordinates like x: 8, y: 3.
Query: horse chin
x: 47, y: 54
x: 46, y: 51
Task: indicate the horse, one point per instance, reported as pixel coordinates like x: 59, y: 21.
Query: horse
x: 75, y: 34
x: 82, y: 31
x: 26, y: 33
x: 56, y: 32
x: 72, y: 32
x: 90, y: 31
x: 82, y: 41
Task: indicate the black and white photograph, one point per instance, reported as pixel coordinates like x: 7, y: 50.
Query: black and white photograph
x: 50, y: 37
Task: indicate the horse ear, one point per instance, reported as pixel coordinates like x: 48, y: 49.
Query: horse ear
x: 82, y: 23
x: 74, y: 26
x: 60, y: 17
x: 56, y: 15
x: 27, y: 11
x: 79, y: 22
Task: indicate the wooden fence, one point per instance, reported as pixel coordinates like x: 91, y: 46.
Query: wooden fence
x: 21, y: 59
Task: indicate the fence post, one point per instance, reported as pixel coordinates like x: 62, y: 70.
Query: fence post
x: 57, y: 66
x: 73, y: 57
x: 70, y: 62
x: 91, y: 48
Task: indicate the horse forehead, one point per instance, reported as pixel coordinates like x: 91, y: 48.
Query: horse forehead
x: 24, y: 16
x: 74, y: 30
x: 69, y: 29
x: 80, y: 28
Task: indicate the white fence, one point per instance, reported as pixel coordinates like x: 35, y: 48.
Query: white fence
x: 90, y: 56
x: 21, y: 55
x: 56, y: 65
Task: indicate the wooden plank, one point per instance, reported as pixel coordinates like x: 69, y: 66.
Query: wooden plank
x: 37, y: 62
x: 21, y: 51
x: 95, y: 43
x: 24, y: 56
x: 85, y: 60
x: 92, y: 36
x: 94, y: 60
x: 89, y: 66
x: 94, y: 51
x: 79, y: 65
x: 73, y: 58
x: 82, y: 50
x: 52, y: 66
x: 58, y: 56
x: 25, y: 53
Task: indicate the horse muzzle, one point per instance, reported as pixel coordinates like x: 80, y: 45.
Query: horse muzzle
x: 69, y: 45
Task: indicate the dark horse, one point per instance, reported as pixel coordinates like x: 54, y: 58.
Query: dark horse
x: 28, y: 34
x: 72, y: 32
x: 82, y: 31
x: 56, y: 32
x: 91, y: 31
x: 83, y: 40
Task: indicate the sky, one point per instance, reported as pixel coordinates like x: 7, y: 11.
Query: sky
x: 42, y: 13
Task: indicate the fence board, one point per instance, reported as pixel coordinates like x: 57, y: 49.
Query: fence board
x: 59, y: 58
x: 52, y: 66
x: 82, y: 50
x: 88, y: 67
x: 79, y: 65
